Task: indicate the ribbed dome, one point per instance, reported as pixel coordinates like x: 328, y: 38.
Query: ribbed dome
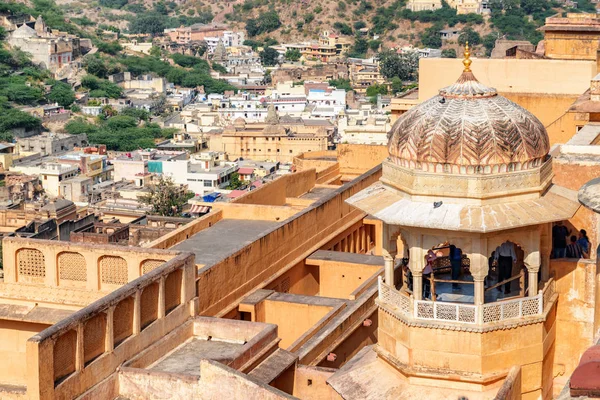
x: 468, y: 125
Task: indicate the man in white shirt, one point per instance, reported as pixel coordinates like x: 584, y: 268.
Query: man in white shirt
x: 506, y: 256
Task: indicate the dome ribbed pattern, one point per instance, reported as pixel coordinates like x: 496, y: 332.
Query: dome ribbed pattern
x: 468, y: 124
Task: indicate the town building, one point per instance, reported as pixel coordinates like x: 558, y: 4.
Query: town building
x: 364, y: 126
x: 364, y: 73
x: 49, y: 143
x: 269, y: 140
x: 182, y: 142
x: 341, y: 43
x: 573, y: 37
x: 52, y: 51
x: 228, y: 38
x: 203, y: 173
x: 134, y: 166
x: 450, y: 34
x: 195, y: 32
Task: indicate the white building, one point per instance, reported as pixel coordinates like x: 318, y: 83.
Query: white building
x: 334, y: 100
x: 204, y: 173
x: 229, y: 38
x: 364, y: 126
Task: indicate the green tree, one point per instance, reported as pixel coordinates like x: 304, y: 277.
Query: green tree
x: 374, y: 44
x: 430, y: 37
x: 341, y: 84
x: 152, y: 23
x: 22, y: 94
x: 489, y: 42
x: 376, y: 89
x: 265, y: 23
x: 405, y: 66
x: 219, y: 68
x: 234, y: 182
x: 308, y: 18
x: 62, y: 94
x: 448, y: 53
x: 359, y: 49
x: 397, y: 85
x: 113, y: 3
x: 344, y: 29
x: 137, y: 113
x: 94, y: 65
x: 111, y: 48
x: 165, y: 197
x: 293, y: 54
x: 469, y: 35
x: 155, y: 51
x: 269, y: 56
x: 359, y: 25
x: 78, y: 126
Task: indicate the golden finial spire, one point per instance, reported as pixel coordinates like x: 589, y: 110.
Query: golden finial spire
x: 467, y: 61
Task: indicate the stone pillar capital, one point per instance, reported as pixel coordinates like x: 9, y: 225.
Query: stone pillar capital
x: 532, y: 267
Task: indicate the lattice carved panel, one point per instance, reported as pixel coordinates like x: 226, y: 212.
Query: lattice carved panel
x: 31, y: 265
x: 148, y: 265
x: 94, y: 337
x: 123, y: 320
x: 72, y: 267
x: 149, y: 305
x: 64, y: 354
x: 173, y: 290
x: 113, y: 270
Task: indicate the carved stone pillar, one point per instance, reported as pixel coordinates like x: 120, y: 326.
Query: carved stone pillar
x: 389, y: 269
x: 479, y: 268
x: 416, y: 262
x: 533, y: 261
x: 533, y: 281
x: 479, y: 290
x: 418, y: 285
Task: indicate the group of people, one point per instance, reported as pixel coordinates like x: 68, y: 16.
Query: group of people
x: 455, y: 256
x: 503, y: 257
x: 577, y: 246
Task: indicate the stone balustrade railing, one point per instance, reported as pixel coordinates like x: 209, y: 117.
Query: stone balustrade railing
x: 80, y: 351
x: 441, y: 311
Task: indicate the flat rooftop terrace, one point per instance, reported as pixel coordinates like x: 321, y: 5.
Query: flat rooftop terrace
x: 317, y: 193
x: 185, y: 359
x: 225, y: 237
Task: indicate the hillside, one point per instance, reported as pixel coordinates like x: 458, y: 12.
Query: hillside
x: 388, y: 21
x: 269, y: 21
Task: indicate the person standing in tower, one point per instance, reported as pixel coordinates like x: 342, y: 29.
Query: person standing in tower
x: 455, y: 263
x: 505, y: 256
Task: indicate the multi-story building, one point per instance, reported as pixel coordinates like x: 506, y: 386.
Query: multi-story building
x: 51, y: 143
x: 133, y: 166
x: 364, y: 126
x: 46, y: 48
x: 327, y: 98
x: 270, y: 140
x: 196, y: 32
x: 341, y: 43
x: 364, y: 73
x: 310, y: 50
x: 94, y: 166
x: 203, y: 173
x: 229, y: 39
x: 574, y: 37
